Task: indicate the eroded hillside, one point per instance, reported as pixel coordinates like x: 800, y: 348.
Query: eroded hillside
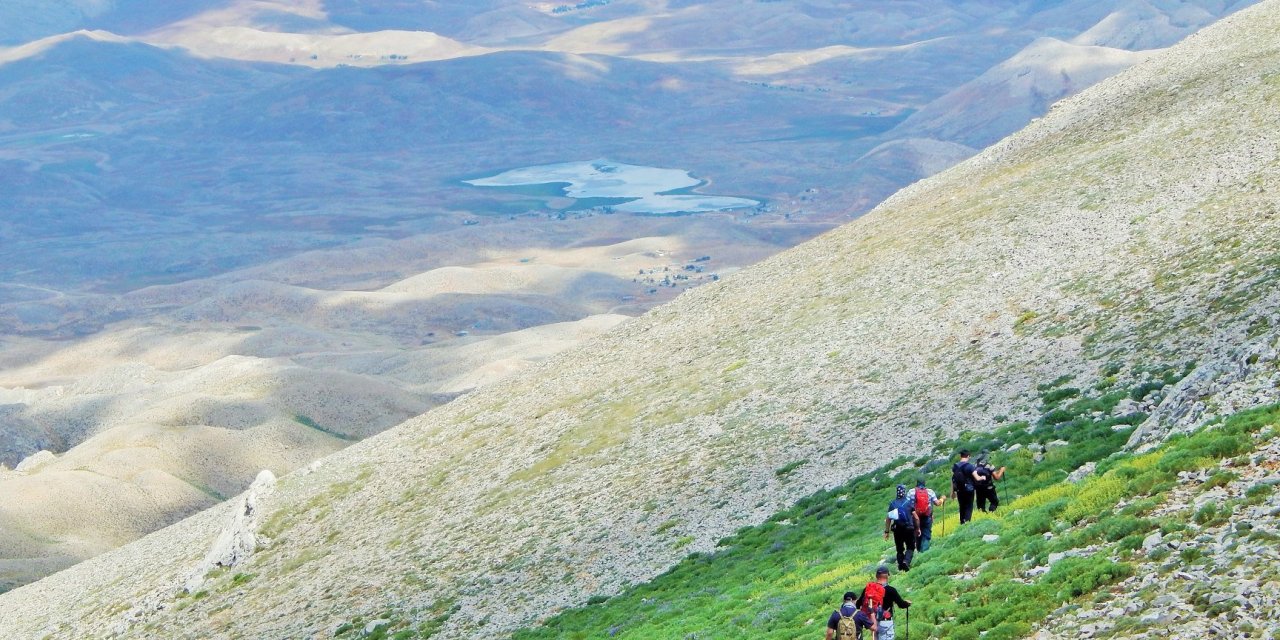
x: 1132, y: 226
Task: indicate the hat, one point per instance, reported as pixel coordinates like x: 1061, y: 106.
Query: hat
x: 849, y: 596
x: 882, y: 571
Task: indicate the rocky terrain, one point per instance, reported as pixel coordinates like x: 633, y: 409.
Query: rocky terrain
x: 1128, y: 231
x: 239, y: 234
x: 1221, y: 577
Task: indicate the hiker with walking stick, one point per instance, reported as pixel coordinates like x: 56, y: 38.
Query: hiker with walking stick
x: 924, y: 500
x: 888, y: 599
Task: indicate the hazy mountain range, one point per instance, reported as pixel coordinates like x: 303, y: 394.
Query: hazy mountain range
x: 234, y: 235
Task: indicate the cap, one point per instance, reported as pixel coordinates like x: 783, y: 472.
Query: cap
x: 882, y: 571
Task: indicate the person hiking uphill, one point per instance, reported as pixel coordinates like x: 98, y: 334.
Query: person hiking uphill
x: 963, y: 477
x: 881, y: 597
x: 985, y: 487
x: 847, y: 622
x: 925, y: 500
x: 903, y: 520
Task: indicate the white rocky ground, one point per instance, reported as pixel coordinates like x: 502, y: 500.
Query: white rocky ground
x: 1133, y: 226
x: 1170, y: 597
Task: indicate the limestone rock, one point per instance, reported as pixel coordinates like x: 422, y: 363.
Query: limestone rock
x: 1081, y: 473
x: 35, y: 461
x: 1152, y: 541
x: 239, y: 539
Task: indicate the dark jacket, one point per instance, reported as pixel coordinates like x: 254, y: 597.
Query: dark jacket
x: 891, y: 598
x: 961, y: 475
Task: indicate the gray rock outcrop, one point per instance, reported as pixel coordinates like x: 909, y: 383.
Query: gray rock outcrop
x: 240, y: 538
x: 1243, y: 376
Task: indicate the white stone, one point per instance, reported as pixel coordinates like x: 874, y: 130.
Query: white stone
x: 239, y: 539
x: 1152, y: 541
x: 35, y: 461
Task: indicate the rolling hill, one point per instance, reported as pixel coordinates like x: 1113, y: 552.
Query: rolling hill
x: 1126, y: 235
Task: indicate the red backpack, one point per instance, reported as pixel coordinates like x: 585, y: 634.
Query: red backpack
x: 924, y: 506
x: 873, y: 600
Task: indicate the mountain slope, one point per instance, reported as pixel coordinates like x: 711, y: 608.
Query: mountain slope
x: 1013, y: 92
x: 1132, y: 225
x: 1080, y: 547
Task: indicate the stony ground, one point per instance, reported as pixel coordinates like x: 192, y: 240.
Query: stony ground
x: 1130, y: 228
x: 1230, y: 589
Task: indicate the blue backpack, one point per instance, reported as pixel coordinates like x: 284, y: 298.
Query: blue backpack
x: 903, y: 508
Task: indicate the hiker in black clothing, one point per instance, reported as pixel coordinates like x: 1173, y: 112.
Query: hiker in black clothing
x: 885, y: 630
x: 963, y: 477
x: 986, y: 484
x: 905, y: 524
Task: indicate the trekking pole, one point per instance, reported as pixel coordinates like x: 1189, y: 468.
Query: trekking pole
x: 944, y: 519
x: 908, y: 610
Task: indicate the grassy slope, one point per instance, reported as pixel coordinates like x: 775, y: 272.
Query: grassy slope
x: 1130, y: 226
x: 781, y: 579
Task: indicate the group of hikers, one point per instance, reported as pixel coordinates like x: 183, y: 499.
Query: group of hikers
x: 910, y: 522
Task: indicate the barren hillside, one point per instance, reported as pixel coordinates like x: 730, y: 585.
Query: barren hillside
x: 1129, y: 230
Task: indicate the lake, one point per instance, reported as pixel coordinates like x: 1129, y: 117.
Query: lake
x: 633, y: 188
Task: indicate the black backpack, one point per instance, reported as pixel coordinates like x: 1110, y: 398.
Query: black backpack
x: 984, y: 472
x: 960, y: 480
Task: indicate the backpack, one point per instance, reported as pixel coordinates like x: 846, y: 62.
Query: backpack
x: 902, y: 513
x: 847, y: 627
x: 873, y: 600
x: 924, y: 506
x: 984, y: 472
x: 960, y: 480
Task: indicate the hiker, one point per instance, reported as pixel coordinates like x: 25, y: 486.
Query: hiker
x: 985, y: 486
x: 903, y: 520
x: 925, y: 500
x: 963, y: 477
x: 847, y: 622
x: 886, y: 597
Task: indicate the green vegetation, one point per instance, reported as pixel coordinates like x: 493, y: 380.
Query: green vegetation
x: 307, y: 555
x: 308, y: 422
x: 395, y: 626
x: 788, y: 468
x: 782, y: 578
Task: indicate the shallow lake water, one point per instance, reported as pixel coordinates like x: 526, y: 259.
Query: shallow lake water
x: 645, y: 189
